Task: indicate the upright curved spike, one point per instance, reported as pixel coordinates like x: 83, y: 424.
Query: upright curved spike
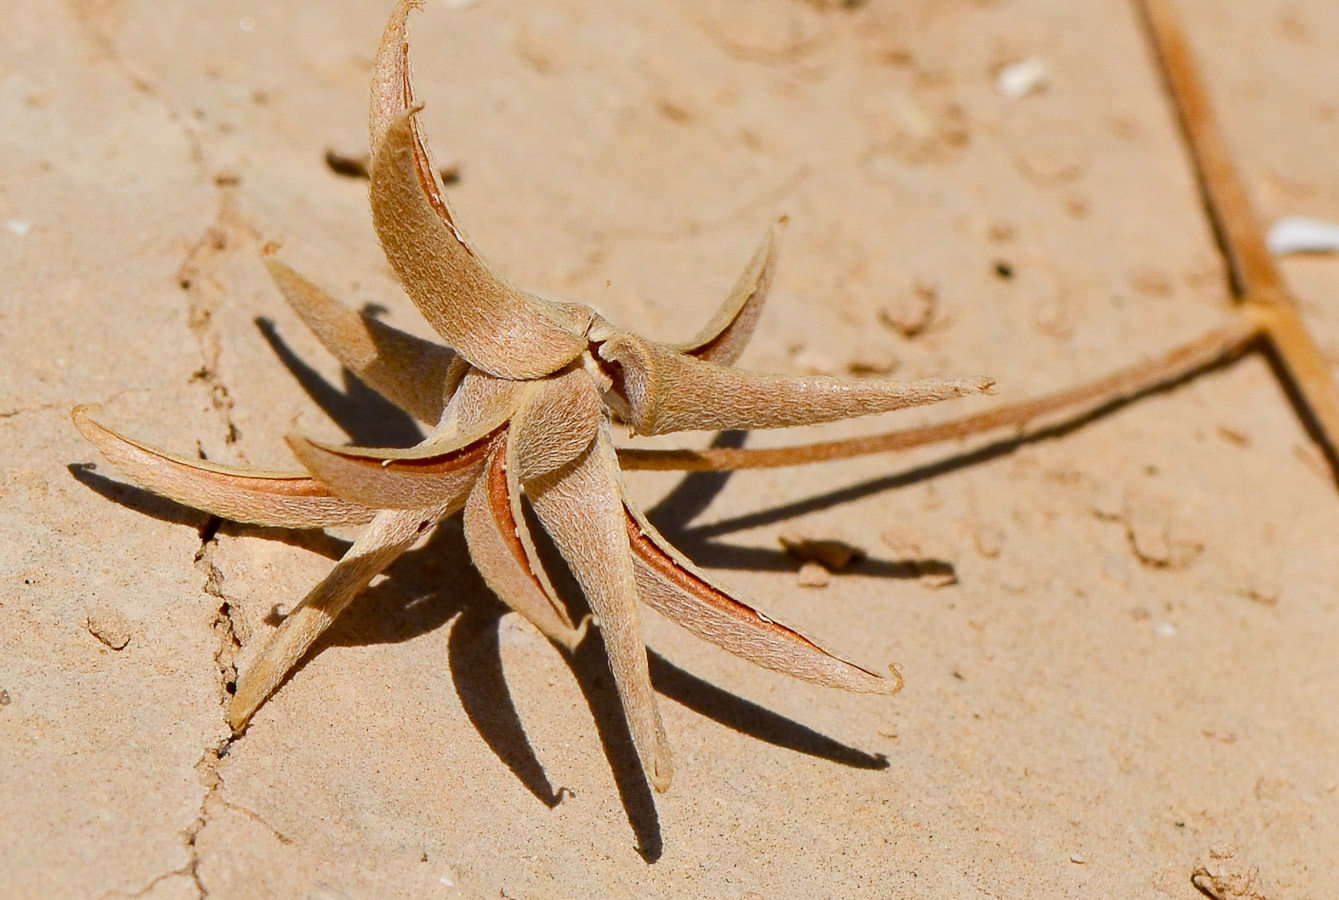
x: 492, y: 324
x: 496, y: 547
x: 581, y: 507
x: 414, y: 374
x: 667, y: 391
x: 670, y: 584
x: 381, y: 543
x: 279, y: 499
x: 725, y: 336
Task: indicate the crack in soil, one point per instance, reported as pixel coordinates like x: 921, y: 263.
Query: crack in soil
x: 225, y: 630
x: 183, y: 872
x: 199, y: 277
x: 224, y: 626
x: 207, y: 767
x: 257, y: 818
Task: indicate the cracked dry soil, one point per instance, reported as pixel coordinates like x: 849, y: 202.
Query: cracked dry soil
x: 1128, y: 688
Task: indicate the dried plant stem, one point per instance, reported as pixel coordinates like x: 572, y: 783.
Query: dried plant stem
x: 1251, y: 263
x: 1266, y: 314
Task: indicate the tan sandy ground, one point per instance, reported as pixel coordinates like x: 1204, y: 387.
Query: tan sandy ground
x: 1135, y: 674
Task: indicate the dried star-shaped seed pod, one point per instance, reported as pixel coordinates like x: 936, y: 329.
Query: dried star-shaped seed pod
x: 520, y: 407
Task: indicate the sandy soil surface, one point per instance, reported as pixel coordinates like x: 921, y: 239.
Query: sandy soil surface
x: 1132, y: 675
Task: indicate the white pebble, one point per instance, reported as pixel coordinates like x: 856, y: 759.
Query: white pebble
x: 1022, y: 78
x: 1300, y: 234
x: 19, y: 227
x: 1164, y: 629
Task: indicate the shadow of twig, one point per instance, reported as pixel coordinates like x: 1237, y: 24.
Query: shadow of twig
x: 691, y: 497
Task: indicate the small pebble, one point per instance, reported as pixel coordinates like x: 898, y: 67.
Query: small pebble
x: 1022, y: 78
x: 811, y: 362
x: 905, y: 542
x: 1108, y: 502
x: 813, y: 575
x: 1162, y: 545
x: 1047, y: 169
x: 1300, y: 234
x: 935, y: 577
x: 988, y: 539
x: 109, y: 626
x: 1151, y: 283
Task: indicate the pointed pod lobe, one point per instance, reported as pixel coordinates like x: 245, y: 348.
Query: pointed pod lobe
x: 506, y: 559
x: 667, y: 391
x: 442, y: 466
x: 279, y: 499
x: 383, y: 480
x: 495, y: 326
x: 414, y: 374
x: 381, y: 543
x: 673, y: 586
x: 581, y: 506
x: 727, y: 334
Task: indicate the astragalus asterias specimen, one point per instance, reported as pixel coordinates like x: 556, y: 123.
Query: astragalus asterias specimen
x: 520, y: 402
